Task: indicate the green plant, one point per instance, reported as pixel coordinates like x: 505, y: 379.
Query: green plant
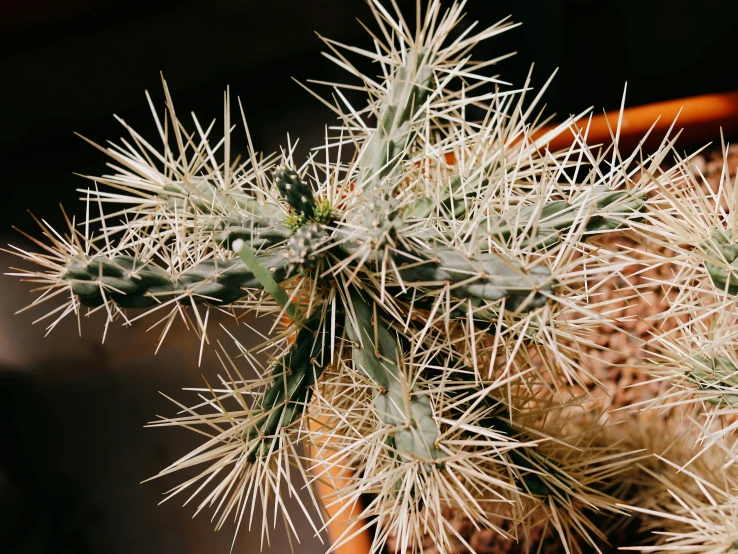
x: 442, y: 292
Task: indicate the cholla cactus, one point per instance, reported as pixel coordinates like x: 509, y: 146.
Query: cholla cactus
x: 442, y: 294
x: 686, y: 502
x: 695, y: 340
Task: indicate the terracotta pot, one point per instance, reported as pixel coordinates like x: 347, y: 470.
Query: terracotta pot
x: 702, y: 119
x: 361, y: 543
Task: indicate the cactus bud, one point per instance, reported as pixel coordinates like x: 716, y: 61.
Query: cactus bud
x: 295, y: 191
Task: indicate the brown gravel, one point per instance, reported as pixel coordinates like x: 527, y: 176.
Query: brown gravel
x: 617, y: 367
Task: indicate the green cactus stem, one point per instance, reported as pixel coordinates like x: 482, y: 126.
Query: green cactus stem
x: 423, y: 207
x: 717, y: 376
x: 408, y: 90
x: 532, y: 466
x: 260, y: 232
x: 398, y: 404
x: 284, y: 402
x: 722, y: 261
x: 486, y: 277
x: 324, y: 213
x: 133, y: 283
x: 536, y: 474
x: 303, y: 248
x: 605, y: 210
x: 201, y: 195
x: 543, y: 227
x: 482, y: 279
x: 529, y: 465
x: 539, y: 475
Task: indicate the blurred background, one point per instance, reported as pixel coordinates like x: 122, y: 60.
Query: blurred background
x: 74, y: 449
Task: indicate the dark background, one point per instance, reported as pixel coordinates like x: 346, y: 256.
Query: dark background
x: 73, y: 447
x: 65, y: 67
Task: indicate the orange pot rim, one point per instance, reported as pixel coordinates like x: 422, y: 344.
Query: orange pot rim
x: 702, y: 119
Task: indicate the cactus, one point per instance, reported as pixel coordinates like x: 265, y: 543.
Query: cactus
x: 407, y: 93
x: 200, y: 195
x: 294, y: 376
x: 261, y: 233
x: 134, y: 284
x: 303, y: 248
x: 718, y: 378
x: 722, y: 253
x: 398, y: 404
x: 488, y: 277
x: 441, y: 296
x: 605, y: 209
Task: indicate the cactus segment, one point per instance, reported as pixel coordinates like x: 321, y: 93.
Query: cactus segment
x: 537, y: 474
x: 531, y: 464
x: 135, y: 284
x: 722, y: 261
x: 604, y: 210
x: 295, y: 192
x: 420, y: 208
x: 284, y: 402
x: 423, y: 207
x: 124, y: 280
x: 260, y: 232
x: 381, y: 222
x: 487, y: 277
x: 398, y: 404
x: 408, y: 90
x: 608, y: 208
x: 203, y: 196
x: 132, y: 283
x: 324, y: 212
x: 717, y: 375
